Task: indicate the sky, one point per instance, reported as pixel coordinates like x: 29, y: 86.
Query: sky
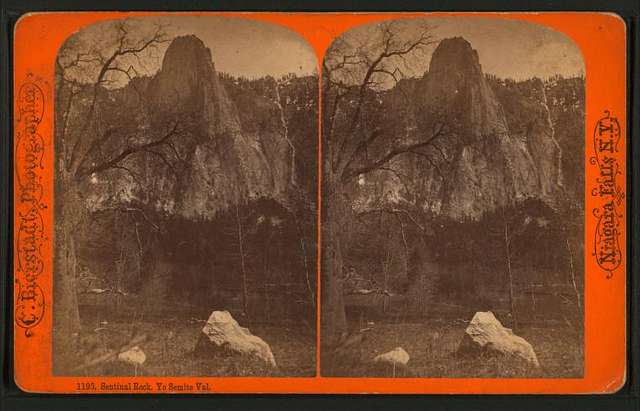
x: 506, y: 48
x: 516, y: 49
x: 249, y: 48
x: 241, y: 47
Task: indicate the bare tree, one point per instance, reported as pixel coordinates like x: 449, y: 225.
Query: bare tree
x: 84, y: 75
x: 353, y: 78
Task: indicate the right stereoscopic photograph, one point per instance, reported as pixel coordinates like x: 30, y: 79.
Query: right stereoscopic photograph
x: 452, y: 201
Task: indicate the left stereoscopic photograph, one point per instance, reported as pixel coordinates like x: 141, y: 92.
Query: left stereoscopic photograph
x: 186, y: 190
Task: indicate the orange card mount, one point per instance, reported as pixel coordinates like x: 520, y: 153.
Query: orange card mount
x: 320, y: 202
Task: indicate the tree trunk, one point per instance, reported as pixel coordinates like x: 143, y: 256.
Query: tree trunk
x: 510, y: 274
x: 303, y: 251
x: 267, y: 311
x: 573, y: 279
x: 242, y: 265
x: 66, y: 319
x: 333, y: 316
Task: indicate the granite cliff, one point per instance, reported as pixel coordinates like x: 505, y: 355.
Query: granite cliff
x: 484, y: 161
x: 215, y: 159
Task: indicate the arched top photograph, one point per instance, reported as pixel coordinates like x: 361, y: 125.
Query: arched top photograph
x: 185, y: 199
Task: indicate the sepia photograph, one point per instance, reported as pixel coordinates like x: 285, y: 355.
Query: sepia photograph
x: 453, y: 179
x: 185, y: 199
x: 297, y: 202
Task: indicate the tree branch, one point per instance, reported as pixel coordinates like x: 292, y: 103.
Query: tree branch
x: 108, y: 64
x: 392, y: 154
x: 371, y: 66
x: 127, y: 152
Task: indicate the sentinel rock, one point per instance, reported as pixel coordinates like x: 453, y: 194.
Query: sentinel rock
x: 454, y: 86
x: 214, y: 160
x: 490, y: 165
x: 187, y: 81
x: 227, y: 165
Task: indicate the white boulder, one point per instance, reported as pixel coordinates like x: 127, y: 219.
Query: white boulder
x: 486, y: 333
x: 134, y: 356
x: 398, y: 357
x: 223, y: 331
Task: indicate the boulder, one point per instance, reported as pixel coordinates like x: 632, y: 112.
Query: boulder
x: 398, y: 357
x: 134, y: 356
x: 486, y: 334
x: 222, y: 331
